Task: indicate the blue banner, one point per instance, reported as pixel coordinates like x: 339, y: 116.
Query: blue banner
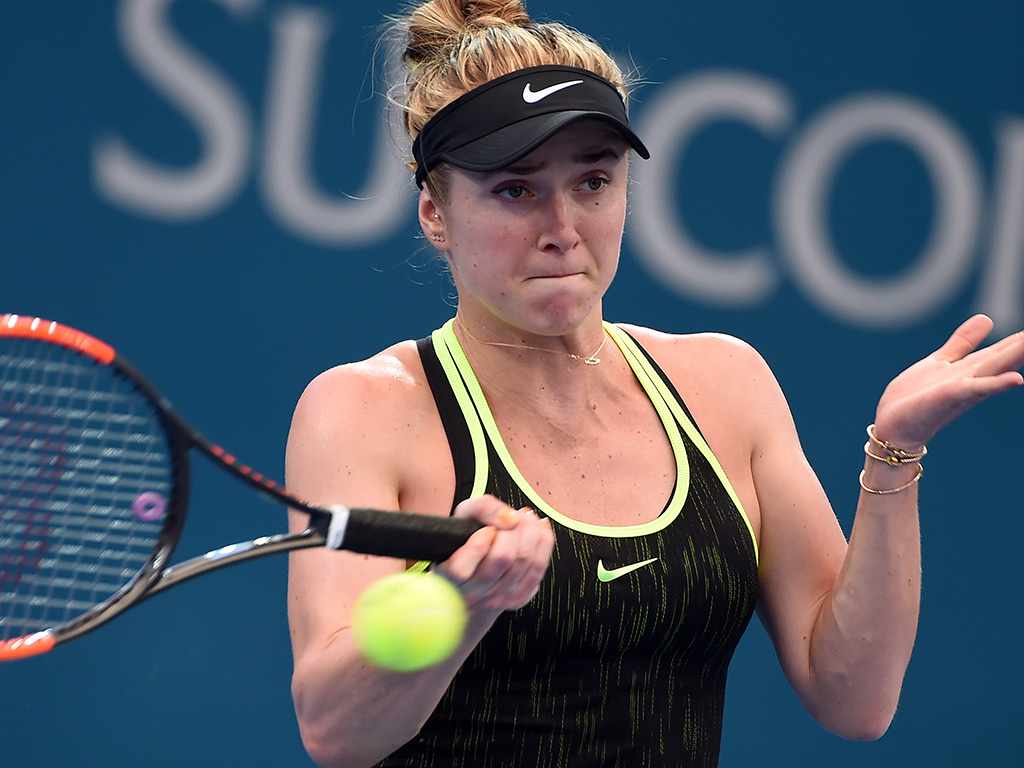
x: 217, y: 188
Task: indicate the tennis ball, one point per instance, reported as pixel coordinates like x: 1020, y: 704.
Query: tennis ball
x: 409, y: 621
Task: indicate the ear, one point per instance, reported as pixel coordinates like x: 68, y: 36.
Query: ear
x: 431, y: 220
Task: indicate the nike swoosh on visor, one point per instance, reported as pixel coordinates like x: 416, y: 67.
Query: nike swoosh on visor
x: 532, y: 97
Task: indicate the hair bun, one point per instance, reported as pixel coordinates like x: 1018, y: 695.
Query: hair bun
x: 496, y: 13
x: 441, y: 24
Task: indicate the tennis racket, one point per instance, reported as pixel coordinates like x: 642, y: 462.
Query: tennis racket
x: 94, y: 485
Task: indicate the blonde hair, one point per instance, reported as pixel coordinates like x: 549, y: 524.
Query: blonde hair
x: 454, y: 46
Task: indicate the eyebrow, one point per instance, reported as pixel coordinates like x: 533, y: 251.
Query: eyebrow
x: 605, y: 153
x: 588, y: 157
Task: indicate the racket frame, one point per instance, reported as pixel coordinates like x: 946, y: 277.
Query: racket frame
x: 336, y: 527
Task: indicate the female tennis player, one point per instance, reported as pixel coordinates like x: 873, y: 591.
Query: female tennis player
x: 643, y: 492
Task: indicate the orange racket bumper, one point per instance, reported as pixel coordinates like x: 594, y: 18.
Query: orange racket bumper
x: 44, y: 330
x: 23, y: 647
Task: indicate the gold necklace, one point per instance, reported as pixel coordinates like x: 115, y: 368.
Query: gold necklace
x: 591, y: 359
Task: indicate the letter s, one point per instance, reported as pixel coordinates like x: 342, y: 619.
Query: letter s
x: 218, y: 114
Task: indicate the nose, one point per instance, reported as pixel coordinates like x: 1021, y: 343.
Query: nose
x: 559, y: 232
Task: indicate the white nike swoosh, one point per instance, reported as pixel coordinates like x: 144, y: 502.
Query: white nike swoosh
x: 604, y: 574
x: 531, y: 96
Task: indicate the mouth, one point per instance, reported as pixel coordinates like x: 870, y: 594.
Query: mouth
x: 559, y: 275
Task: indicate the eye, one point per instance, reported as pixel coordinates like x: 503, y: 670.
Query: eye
x: 512, y: 192
x: 594, y: 184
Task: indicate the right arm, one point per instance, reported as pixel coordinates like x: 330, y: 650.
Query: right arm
x: 351, y: 441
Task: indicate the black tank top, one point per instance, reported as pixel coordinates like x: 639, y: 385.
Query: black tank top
x: 621, y: 658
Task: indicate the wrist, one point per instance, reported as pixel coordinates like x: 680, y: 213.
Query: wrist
x: 882, y: 447
x: 885, y: 471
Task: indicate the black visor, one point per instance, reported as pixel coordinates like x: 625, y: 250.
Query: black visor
x: 507, y: 118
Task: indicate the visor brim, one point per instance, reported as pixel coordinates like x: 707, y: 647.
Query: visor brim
x: 505, y: 146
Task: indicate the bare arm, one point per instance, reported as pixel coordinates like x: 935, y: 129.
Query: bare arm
x: 844, y: 617
x: 352, y: 437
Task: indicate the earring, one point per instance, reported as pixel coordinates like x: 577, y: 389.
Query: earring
x: 437, y: 238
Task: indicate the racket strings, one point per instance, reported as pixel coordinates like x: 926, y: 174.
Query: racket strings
x: 79, y: 448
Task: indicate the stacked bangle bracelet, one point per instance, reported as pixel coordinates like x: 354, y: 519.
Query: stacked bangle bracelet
x: 894, y: 457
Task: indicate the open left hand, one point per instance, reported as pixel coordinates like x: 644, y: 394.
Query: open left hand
x: 949, y: 382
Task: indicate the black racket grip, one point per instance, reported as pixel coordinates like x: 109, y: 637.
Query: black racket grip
x: 405, y: 535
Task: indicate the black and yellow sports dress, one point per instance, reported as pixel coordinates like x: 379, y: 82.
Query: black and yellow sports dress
x: 620, y: 660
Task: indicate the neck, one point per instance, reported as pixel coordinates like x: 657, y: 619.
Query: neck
x: 591, y: 359
x: 547, y: 391
x: 477, y: 335
x: 555, y: 382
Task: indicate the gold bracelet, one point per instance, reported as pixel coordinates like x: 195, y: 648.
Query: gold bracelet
x: 892, y: 461
x: 914, y: 479
x: 893, y: 456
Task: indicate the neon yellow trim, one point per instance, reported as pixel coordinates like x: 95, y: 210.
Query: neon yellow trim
x: 476, y: 432
x: 682, y: 485
x: 626, y: 343
x: 439, y: 337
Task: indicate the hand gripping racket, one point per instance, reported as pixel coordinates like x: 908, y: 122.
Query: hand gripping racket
x: 94, y: 483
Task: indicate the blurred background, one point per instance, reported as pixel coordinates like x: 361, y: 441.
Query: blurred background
x: 213, y: 187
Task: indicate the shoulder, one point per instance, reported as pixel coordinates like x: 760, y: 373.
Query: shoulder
x: 389, y: 378
x: 722, y: 379
x: 359, y: 416
x: 712, y: 353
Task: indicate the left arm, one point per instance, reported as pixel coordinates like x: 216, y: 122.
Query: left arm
x: 843, y: 617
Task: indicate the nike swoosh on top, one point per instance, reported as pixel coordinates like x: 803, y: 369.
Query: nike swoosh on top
x: 605, y: 574
x: 531, y: 96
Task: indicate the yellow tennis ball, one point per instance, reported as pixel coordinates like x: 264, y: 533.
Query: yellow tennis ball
x: 409, y: 621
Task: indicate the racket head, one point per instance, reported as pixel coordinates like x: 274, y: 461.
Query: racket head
x: 94, y: 481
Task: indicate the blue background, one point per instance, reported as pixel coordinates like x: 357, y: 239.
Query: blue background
x: 230, y: 305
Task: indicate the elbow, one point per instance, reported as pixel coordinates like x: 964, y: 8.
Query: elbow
x: 323, y: 741
x: 861, y: 721
x: 869, y: 727
x: 857, y: 698
x: 329, y: 750
x: 323, y: 748
x: 334, y: 739
x: 324, y: 753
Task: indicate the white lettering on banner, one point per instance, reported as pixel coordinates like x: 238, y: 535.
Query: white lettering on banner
x: 812, y: 158
x: 801, y: 215
x: 225, y: 128
x: 800, y: 204
x: 299, y: 36
x: 1003, y: 280
x: 219, y: 115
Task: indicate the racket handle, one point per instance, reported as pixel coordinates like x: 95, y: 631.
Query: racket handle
x: 399, y: 534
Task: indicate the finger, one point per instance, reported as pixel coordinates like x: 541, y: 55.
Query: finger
x: 479, y: 566
x: 502, y: 570
x: 520, y: 582
x: 994, y: 384
x: 517, y: 551
x: 965, y: 339
x: 461, y: 566
x: 530, y: 581
x: 508, y: 556
x: 1005, y: 355
x: 489, y: 511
